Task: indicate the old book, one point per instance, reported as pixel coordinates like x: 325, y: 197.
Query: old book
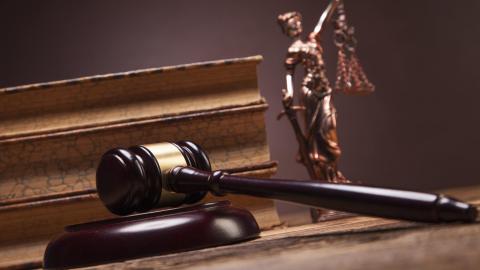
x: 35, y: 109
x: 53, y: 134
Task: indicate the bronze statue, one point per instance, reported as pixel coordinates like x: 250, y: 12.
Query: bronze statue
x: 319, y: 149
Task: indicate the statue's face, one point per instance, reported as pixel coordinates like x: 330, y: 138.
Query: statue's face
x: 293, y: 26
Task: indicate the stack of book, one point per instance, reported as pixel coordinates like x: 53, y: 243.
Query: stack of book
x: 52, y: 136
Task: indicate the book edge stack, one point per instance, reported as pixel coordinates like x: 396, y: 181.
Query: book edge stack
x: 29, y: 221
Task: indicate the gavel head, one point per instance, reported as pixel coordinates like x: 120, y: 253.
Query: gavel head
x: 133, y: 179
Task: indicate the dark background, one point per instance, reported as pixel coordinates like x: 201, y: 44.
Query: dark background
x: 418, y: 130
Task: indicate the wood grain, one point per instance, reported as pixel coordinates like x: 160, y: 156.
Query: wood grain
x: 351, y: 243
x: 398, y: 247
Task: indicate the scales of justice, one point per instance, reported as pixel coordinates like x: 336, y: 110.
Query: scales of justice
x: 132, y: 181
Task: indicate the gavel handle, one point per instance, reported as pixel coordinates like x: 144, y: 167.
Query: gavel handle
x: 371, y: 201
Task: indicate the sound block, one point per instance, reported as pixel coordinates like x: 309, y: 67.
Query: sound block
x: 150, y: 234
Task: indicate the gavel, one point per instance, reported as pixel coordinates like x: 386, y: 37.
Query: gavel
x: 144, y: 177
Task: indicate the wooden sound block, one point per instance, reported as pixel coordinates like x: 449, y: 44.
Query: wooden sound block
x: 150, y: 234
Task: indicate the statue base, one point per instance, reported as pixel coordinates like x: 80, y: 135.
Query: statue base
x: 320, y: 215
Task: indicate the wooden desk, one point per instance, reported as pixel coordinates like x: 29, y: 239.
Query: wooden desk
x: 351, y: 243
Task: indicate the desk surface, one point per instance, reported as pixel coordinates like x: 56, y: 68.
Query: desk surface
x: 350, y: 243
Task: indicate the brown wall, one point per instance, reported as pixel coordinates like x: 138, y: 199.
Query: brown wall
x: 419, y: 129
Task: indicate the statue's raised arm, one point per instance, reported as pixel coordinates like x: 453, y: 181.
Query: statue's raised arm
x: 325, y: 18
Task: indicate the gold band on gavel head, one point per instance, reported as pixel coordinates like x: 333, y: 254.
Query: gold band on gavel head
x: 168, y: 156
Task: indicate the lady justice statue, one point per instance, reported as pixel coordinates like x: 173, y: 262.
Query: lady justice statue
x: 318, y: 143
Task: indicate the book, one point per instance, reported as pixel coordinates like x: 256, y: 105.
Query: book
x: 52, y: 136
